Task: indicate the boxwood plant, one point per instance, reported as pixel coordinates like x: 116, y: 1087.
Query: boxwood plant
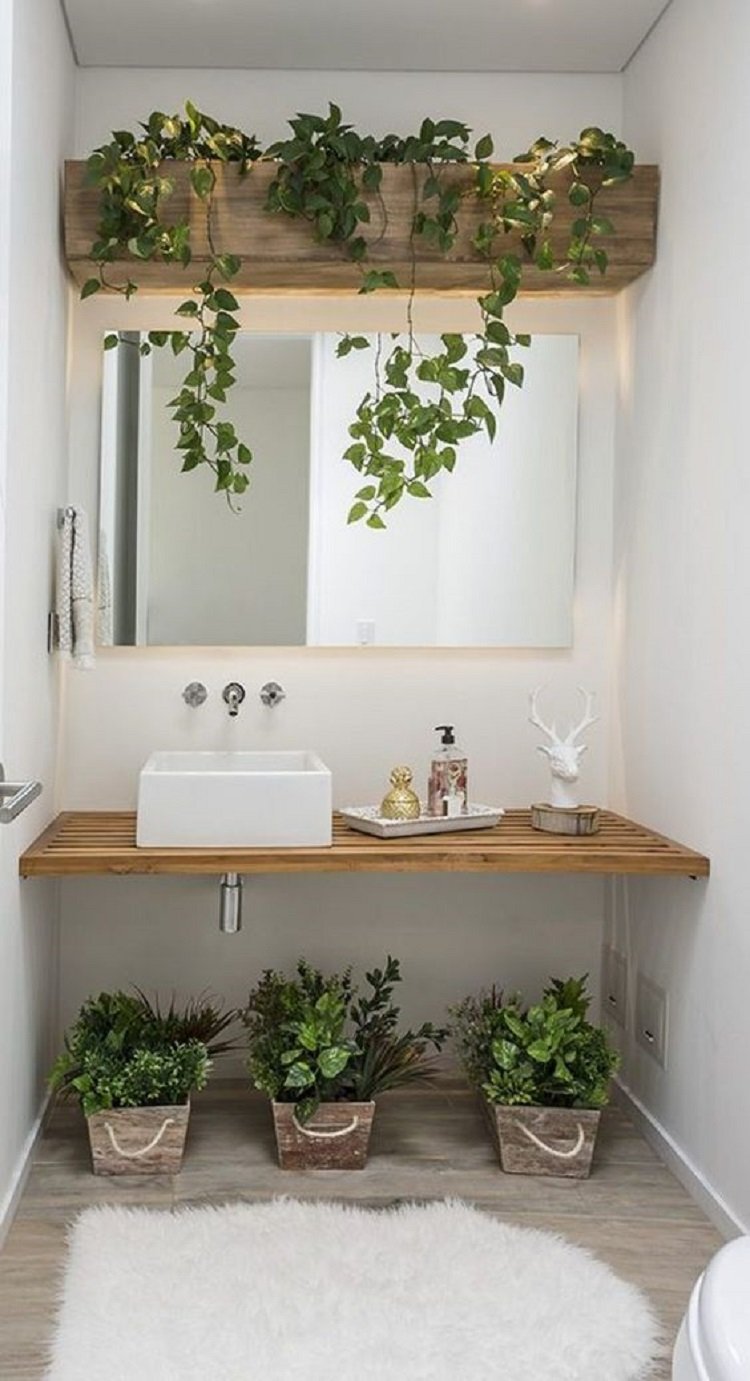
x: 547, y: 1054
x: 315, y: 1038
x: 124, y: 1051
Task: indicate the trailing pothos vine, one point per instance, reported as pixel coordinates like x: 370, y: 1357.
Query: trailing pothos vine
x: 409, y: 426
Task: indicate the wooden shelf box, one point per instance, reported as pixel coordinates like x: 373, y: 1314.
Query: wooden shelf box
x: 280, y: 255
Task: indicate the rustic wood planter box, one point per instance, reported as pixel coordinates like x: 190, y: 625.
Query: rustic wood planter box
x: 281, y: 255
x: 543, y: 1141
x: 138, y: 1141
x: 337, y: 1136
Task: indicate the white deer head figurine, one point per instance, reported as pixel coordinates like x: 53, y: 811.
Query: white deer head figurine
x: 564, y: 754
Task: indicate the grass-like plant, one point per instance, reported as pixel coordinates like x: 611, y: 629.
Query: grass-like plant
x: 315, y: 1038
x: 547, y: 1054
x: 124, y: 1051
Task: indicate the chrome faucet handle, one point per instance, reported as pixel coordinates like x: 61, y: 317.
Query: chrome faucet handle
x: 195, y: 694
x: 233, y: 695
x: 272, y: 694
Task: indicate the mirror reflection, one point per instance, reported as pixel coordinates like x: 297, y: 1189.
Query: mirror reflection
x: 487, y: 561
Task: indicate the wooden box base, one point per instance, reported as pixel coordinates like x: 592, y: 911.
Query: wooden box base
x: 138, y: 1141
x: 337, y: 1137
x: 576, y: 820
x: 544, y: 1141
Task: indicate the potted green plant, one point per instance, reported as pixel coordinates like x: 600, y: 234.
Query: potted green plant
x: 133, y: 1067
x: 323, y: 1052
x: 543, y: 1072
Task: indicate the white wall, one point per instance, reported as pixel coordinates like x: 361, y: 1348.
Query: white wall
x: 515, y: 107
x: 37, y: 91
x: 683, y: 581
x: 363, y: 709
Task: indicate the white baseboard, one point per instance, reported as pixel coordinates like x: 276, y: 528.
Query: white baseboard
x: 9, y: 1203
x: 694, y: 1181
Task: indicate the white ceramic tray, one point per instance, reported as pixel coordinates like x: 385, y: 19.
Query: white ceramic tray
x: 367, y: 819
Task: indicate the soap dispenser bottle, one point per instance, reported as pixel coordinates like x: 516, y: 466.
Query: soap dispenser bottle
x: 447, y: 792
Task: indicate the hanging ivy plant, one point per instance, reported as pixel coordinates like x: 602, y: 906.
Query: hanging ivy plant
x: 133, y: 193
x: 327, y: 175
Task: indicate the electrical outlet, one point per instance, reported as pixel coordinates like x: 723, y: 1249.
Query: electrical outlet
x: 615, y: 986
x: 651, y: 1019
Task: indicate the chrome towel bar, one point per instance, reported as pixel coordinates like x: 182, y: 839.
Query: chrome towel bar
x: 15, y: 797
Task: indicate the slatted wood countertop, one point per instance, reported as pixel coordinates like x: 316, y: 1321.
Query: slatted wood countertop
x: 78, y: 843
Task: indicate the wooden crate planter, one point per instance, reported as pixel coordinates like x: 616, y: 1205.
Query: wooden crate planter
x: 337, y: 1137
x: 544, y: 1141
x: 280, y: 254
x: 138, y: 1141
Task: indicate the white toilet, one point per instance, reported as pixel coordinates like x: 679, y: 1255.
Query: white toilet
x: 713, y: 1343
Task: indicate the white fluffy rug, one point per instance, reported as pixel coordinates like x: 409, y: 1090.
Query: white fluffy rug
x: 289, y: 1290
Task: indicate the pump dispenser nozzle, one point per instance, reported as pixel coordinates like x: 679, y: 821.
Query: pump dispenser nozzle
x: 446, y: 732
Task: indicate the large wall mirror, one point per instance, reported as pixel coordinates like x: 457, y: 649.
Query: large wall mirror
x: 487, y: 562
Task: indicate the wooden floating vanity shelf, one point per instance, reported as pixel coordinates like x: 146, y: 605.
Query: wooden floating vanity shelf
x: 279, y: 255
x: 79, y: 843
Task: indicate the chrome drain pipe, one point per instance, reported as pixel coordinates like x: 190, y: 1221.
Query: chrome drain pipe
x: 230, y: 904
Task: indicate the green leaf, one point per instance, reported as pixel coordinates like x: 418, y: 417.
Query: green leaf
x: 225, y: 300
x: 299, y: 1075
x: 544, y: 257
x: 484, y: 147
x: 514, y: 373
x: 203, y: 180
x: 228, y: 265
x: 579, y: 194
x: 349, y: 343
x: 357, y: 511
x: 372, y: 177
x: 332, y: 1061
x: 378, y: 278
x: 91, y: 286
x: 289, y: 1056
x: 375, y: 521
x: 111, y: 341
x: 308, y: 1037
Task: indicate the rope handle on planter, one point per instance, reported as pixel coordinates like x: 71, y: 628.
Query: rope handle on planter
x: 326, y: 1136
x: 136, y: 1155
x: 551, y: 1150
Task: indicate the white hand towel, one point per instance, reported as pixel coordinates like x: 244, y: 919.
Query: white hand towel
x: 75, y: 590
x: 104, y: 628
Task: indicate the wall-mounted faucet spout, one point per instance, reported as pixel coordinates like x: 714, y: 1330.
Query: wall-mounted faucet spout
x: 233, y: 696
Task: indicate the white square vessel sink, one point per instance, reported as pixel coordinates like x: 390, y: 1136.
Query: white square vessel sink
x: 234, y: 800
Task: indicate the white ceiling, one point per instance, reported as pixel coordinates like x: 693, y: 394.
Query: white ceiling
x: 341, y: 35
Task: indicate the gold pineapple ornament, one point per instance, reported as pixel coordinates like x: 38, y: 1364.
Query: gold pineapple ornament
x: 401, y: 803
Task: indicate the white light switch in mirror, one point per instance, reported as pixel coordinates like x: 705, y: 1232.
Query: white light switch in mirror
x: 487, y: 561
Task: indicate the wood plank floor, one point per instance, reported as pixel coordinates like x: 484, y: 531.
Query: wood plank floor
x: 427, y: 1144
